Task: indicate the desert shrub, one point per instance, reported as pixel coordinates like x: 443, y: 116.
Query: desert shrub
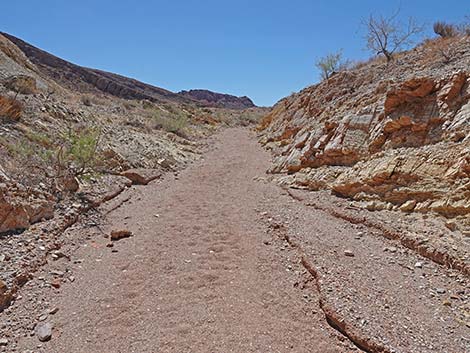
x: 86, y: 101
x: 90, y: 100
x: 173, y: 124
x: 445, y: 30
x: 146, y: 104
x: 78, y: 151
x: 171, y: 119
x: 56, y: 162
x: 329, y: 64
x: 128, y: 105
x: 39, y: 138
x: 10, y: 109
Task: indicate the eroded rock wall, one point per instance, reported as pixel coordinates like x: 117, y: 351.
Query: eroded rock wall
x: 397, y: 136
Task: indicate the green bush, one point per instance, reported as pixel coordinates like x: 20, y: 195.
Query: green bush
x: 171, y: 121
x: 78, y: 152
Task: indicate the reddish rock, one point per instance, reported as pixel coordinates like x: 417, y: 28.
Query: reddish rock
x: 141, y: 176
x: 120, y: 234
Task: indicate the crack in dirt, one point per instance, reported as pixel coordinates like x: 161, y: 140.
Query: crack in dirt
x: 333, y: 319
x: 433, y: 254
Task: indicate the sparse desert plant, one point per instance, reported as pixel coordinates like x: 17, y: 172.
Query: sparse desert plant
x: 465, y: 26
x: 173, y: 124
x: 170, y: 119
x: 73, y: 155
x: 445, y: 30
x: 91, y: 99
x: 10, y: 109
x: 329, y: 64
x: 386, y: 35
x: 448, y: 54
x: 39, y: 138
x: 86, y: 101
x: 78, y: 152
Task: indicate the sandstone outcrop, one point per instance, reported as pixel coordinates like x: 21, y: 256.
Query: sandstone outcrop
x: 21, y: 207
x: 396, y: 135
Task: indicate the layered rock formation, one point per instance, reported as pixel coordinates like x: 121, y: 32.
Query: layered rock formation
x: 397, y: 135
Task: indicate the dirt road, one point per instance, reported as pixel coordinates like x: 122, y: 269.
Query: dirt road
x: 215, y: 265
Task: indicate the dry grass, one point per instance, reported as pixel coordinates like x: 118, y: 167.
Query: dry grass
x: 10, y: 109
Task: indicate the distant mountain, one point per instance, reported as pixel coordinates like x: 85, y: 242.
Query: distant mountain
x: 218, y: 100
x: 84, y: 79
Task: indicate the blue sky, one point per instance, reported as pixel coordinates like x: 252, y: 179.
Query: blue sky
x: 262, y: 49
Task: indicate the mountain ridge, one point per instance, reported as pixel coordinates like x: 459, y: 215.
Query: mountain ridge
x: 86, y: 79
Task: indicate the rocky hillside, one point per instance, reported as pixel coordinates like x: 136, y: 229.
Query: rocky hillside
x: 68, y: 132
x: 89, y: 80
x: 389, y: 136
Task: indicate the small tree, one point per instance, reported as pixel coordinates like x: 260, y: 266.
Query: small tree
x: 329, y: 64
x: 386, y: 35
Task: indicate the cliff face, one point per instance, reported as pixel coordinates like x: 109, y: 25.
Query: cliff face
x: 396, y: 136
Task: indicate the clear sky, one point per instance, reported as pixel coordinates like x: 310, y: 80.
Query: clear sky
x: 262, y: 49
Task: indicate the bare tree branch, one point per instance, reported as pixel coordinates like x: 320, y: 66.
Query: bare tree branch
x: 386, y: 35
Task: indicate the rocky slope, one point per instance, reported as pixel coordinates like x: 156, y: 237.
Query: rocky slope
x: 393, y: 136
x: 91, y: 80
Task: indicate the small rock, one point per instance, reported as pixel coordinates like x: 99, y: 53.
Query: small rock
x: 43, y: 331
x: 120, y: 234
x: 3, y: 342
x: 440, y: 291
x: 57, y: 273
x: 54, y: 310
x: 392, y: 249
x: 451, y: 225
x: 408, y: 206
x: 419, y: 265
x: 55, y: 283
x: 348, y: 253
